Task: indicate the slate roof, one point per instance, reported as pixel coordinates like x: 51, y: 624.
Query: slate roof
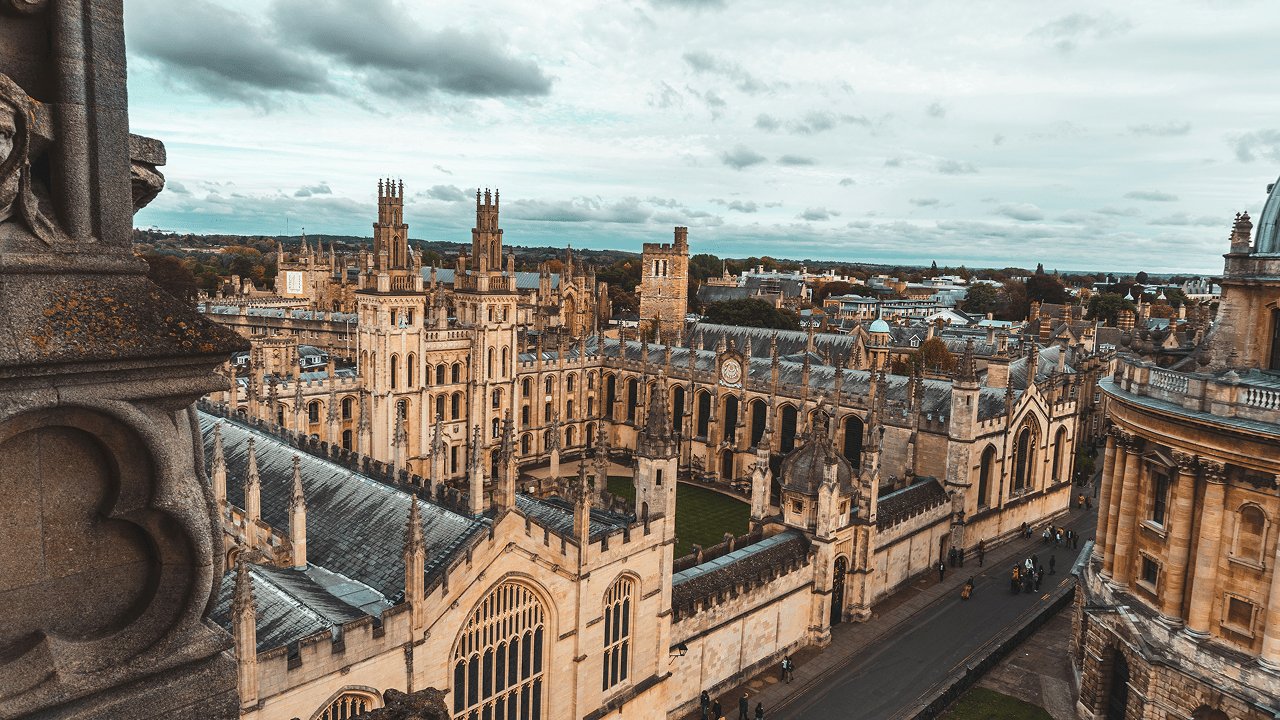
x: 291, y: 606
x: 912, y: 500
x: 557, y: 514
x: 720, y: 293
x: 276, y: 312
x: 355, y: 525
x: 789, y: 286
x: 524, y: 280
x: 1046, y: 365
x: 786, y: 548
x: 790, y: 342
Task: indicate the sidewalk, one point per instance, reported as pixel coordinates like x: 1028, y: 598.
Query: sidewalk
x: 890, y: 615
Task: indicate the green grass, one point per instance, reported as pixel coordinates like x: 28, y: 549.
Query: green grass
x: 702, y: 516
x: 984, y: 704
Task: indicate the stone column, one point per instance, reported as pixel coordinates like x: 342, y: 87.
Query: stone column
x: 1104, y: 497
x: 1204, y: 581
x: 1184, y: 488
x: 1122, y: 561
x: 1113, y: 501
x: 1270, y: 657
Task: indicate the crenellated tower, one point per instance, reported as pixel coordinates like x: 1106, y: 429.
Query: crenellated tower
x: 486, y: 236
x: 390, y: 233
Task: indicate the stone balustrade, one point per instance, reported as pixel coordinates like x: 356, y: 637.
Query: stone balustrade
x: 1245, y: 394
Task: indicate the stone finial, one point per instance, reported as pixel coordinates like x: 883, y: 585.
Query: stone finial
x: 967, y: 371
x: 243, y: 601
x: 413, y: 532
x: 296, y: 496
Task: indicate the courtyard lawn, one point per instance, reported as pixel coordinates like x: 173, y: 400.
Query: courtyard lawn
x: 702, y: 516
x: 984, y: 704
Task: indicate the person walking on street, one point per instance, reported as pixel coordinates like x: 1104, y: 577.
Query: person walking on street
x: 951, y: 557
x: 744, y: 708
x: 716, y: 712
x: 705, y: 702
x: 1052, y: 562
x: 788, y: 668
x: 982, y: 551
x: 960, y: 557
x: 1088, y: 504
x: 942, y: 570
x: 759, y: 711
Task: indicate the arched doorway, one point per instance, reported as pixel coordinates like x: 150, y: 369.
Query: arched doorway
x: 726, y: 464
x: 1118, y: 697
x: 837, y: 590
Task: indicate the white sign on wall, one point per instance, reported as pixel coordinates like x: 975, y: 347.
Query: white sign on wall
x: 293, y: 282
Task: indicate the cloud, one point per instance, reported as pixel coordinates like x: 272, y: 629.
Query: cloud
x: 1181, y: 218
x: 446, y: 172
x: 309, y: 190
x: 956, y: 167
x: 1060, y: 130
x: 744, y: 207
x: 447, y: 193
x: 666, y: 97
x: 893, y: 162
x: 997, y: 139
x: 741, y: 157
x: 815, y: 214
x: 925, y: 202
x: 767, y: 123
x: 1067, y: 32
x: 176, y: 187
x: 221, y: 53
x: 936, y: 110
x: 1259, y: 143
x: 1162, y: 130
x: 1074, y: 217
x: 664, y: 202
x: 1152, y: 195
x: 817, y: 121
x: 626, y: 210
x: 1110, y: 209
x: 691, y: 4
x: 846, y: 182
x: 1020, y: 211
x: 796, y: 160
x: 702, y: 62
x: 400, y: 57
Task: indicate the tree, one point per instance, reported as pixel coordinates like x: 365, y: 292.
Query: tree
x: 831, y: 289
x: 703, y: 266
x: 623, y: 302
x: 981, y: 299
x: 1039, y: 268
x: 172, y: 276
x: 1107, y: 307
x: 751, y: 312
x: 1014, y: 303
x: 1141, y: 278
x: 1046, y: 289
x: 932, y: 356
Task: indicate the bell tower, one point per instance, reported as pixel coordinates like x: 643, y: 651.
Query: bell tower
x: 390, y: 233
x: 486, y: 236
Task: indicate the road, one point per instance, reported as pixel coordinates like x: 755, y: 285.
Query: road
x: 887, y: 681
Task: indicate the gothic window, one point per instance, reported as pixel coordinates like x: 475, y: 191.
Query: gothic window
x: 346, y: 439
x: 617, y: 632
x: 347, y: 705
x: 788, y: 428
x: 546, y: 412
x: 493, y: 354
x: 498, y: 662
x: 677, y: 408
x: 497, y: 428
x: 453, y: 459
x: 506, y: 353
x: 704, y: 414
x: 568, y: 409
x: 853, y: 440
x: 524, y: 444
x: 568, y: 436
x: 524, y: 388
x: 456, y: 406
x: 1024, y: 459
x: 633, y: 391
x: 440, y: 407
x: 984, y: 475
x: 568, y: 383
x: 610, y: 395
x: 731, y: 419
x: 394, y: 360
x: 547, y: 386
x: 457, y: 373
x: 497, y: 398
x: 591, y: 435
x: 440, y: 374
x: 591, y: 381
x: 313, y: 412
x: 1059, y: 444
x: 280, y: 414
x: 1251, y: 534
x: 524, y: 415
x: 402, y: 409
x: 413, y: 362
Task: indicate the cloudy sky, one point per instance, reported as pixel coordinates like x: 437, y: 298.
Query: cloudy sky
x: 1082, y: 135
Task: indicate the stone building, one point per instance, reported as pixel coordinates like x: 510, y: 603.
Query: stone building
x: 1178, y: 613
x: 664, y: 288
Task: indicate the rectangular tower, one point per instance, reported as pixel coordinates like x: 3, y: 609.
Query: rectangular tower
x: 664, y: 286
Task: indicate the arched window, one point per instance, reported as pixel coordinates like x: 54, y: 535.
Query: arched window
x: 524, y: 443
x: 497, y: 428
x: 591, y: 381
x: 1023, y: 456
x: 704, y: 413
x: 853, y: 441
x: 677, y: 408
x: 610, y: 395
x: 546, y: 412
x: 409, y: 366
x: 568, y: 383
x: 1061, y: 462
x: 788, y: 428
x: 497, y: 398
x: 440, y: 371
x: 455, y: 406
x: 348, y: 705
x: 759, y: 411
x: 440, y: 407
x: 313, y: 412
x: 346, y: 408
x: 591, y: 435
x: 547, y: 386
x: 364, y: 365
x: 394, y: 361
x: 524, y: 415
x: 346, y: 439
x: 984, y: 475
x: 731, y: 419
x: 457, y: 373
x: 492, y: 353
x: 525, y: 388
x: 1251, y: 534
x: 617, y: 632
x: 568, y: 436
x: 633, y: 393
x: 402, y: 409
x: 498, y: 661
x: 568, y: 409
x: 280, y: 414
x: 506, y: 356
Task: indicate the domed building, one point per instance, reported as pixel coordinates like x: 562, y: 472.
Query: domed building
x: 816, y: 480
x: 1178, y: 610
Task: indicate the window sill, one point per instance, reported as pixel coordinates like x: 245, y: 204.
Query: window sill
x: 1149, y: 587
x: 1156, y: 529
x: 1245, y: 562
x: 1236, y: 629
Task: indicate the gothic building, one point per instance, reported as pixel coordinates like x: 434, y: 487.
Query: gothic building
x: 1179, y: 607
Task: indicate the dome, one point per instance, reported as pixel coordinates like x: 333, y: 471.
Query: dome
x: 879, y: 326
x: 802, y: 469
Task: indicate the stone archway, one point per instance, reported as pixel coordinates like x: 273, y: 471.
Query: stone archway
x: 837, y: 589
x: 726, y: 464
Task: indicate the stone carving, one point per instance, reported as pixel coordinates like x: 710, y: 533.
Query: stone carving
x: 1260, y: 482
x: 23, y: 201
x: 1214, y: 471
x: 1187, y: 462
x: 426, y: 704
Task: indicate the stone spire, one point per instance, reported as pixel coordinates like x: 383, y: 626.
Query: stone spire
x: 219, y: 470
x: 299, y: 403
x: 298, y: 517
x: 244, y: 627
x: 399, y: 444
x: 415, y: 557
x: 505, y: 497
x: 475, y: 471
x: 252, y: 492
x: 601, y: 466
x: 582, y: 508
x: 967, y: 369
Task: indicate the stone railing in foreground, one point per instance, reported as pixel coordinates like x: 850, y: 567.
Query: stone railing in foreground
x: 1242, y: 394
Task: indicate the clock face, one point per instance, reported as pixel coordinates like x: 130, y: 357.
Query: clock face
x: 731, y: 371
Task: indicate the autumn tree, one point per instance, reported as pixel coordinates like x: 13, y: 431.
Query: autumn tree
x: 172, y: 276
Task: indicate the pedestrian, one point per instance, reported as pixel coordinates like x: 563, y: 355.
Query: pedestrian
x: 744, y: 708
x: 968, y: 589
x: 982, y: 551
x: 1088, y: 504
x: 789, y: 667
x: 705, y: 702
x: 759, y: 711
x: 1039, y: 577
x: 960, y: 557
x: 942, y: 571
x: 951, y: 557
x: 1080, y: 502
x: 716, y: 712
x: 1026, y: 532
x: 1075, y: 540
x: 1046, y: 536
x: 1034, y: 561
x: 1053, y: 561
x: 1015, y: 579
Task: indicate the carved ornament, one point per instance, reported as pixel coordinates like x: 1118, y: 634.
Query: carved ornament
x: 1214, y: 471
x: 1186, y: 462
